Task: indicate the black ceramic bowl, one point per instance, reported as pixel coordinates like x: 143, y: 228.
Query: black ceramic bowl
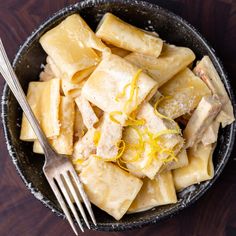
x: 27, y: 64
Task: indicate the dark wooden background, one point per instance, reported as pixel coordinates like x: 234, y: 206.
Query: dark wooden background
x: 214, y: 214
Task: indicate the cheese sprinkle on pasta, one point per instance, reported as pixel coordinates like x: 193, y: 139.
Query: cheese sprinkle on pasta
x: 163, y: 116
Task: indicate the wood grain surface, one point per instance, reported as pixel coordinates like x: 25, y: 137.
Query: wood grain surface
x: 214, y: 214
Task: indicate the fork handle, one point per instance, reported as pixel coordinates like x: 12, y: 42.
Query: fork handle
x: 10, y: 77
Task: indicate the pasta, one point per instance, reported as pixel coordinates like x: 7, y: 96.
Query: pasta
x: 85, y: 146
x: 63, y: 143
x: 88, y: 115
x: 182, y: 160
x: 79, y: 127
x: 200, y: 167
x: 211, y: 134
x: 44, y: 99
x: 115, y: 201
x: 207, y: 72
x: 71, y: 46
x: 159, y: 67
x: 72, y: 90
x: 47, y: 74
x: 136, y: 122
x: 115, y: 73
x: 202, y: 117
x: 150, y: 163
x: 110, y: 135
x: 114, y: 31
x: 50, y: 71
x: 156, y: 192
x: 183, y: 93
x: 118, y: 51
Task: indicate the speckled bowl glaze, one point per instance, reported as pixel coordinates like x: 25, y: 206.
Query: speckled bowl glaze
x: 27, y: 65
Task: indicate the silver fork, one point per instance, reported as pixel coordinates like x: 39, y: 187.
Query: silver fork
x: 58, y: 170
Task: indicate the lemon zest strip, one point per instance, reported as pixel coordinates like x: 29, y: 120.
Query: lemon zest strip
x: 127, y: 169
x: 132, y: 121
x: 114, y: 113
x: 133, y: 91
x: 122, y: 94
x: 167, y: 131
x: 77, y: 161
x: 129, y: 122
x: 96, y: 137
x: 133, y: 87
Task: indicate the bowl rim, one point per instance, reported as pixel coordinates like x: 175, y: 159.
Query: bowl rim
x: 65, y: 11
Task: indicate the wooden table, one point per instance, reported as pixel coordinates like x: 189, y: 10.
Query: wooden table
x: 214, y: 214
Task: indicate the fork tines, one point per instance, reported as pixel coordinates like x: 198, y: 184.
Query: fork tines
x: 67, y: 188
